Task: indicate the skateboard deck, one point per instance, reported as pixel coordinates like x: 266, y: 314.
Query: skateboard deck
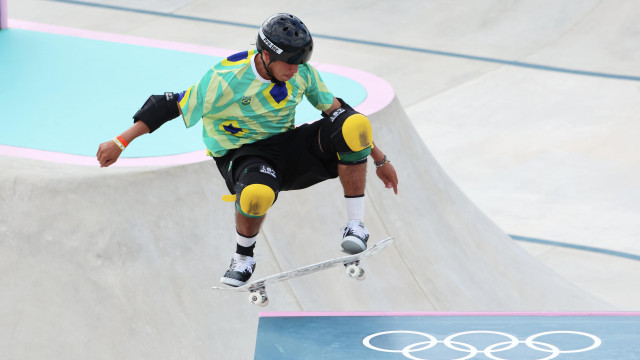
x: 257, y: 288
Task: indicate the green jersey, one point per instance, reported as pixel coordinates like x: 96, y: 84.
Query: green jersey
x: 237, y: 106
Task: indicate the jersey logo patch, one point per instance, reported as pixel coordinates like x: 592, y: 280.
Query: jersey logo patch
x: 246, y: 100
x: 232, y: 127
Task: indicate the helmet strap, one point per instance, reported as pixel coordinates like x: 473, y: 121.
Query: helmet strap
x: 266, y: 68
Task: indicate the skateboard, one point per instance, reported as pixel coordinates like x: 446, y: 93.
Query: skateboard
x: 258, y: 291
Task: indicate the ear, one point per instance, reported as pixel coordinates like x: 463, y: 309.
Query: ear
x: 265, y: 56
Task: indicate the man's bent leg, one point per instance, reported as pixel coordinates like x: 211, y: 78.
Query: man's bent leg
x: 256, y: 190
x: 247, y: 229
x: 348, y: 134
x: 353, y: 178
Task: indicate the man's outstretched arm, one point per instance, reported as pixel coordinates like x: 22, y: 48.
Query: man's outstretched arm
x: 109, y: 152
x: 157, y: 110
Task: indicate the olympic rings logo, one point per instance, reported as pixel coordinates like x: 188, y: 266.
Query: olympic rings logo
x: 533, y: 342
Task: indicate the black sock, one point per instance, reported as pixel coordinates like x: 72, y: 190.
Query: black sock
x: 246, y: 251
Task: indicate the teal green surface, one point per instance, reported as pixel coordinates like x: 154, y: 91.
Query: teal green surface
x: 67, y: 94
x: 341, y: 337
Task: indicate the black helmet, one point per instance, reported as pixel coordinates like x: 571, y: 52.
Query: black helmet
x: 286, y: 38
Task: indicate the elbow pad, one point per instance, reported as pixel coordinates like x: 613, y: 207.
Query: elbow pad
x: 157, y: 110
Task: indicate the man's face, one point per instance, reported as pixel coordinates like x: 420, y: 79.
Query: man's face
x: 280, y: 69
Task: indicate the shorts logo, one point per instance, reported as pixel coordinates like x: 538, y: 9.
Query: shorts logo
x: 267, y: 170
x: 246, y: 100
x: 336, y: 113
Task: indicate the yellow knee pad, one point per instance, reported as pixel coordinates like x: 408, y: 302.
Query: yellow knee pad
x: 255, y: 200
x: 358, y: 136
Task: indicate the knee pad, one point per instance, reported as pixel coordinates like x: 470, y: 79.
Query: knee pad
x: 255, y: 200
x: 351, y: 136
x: 256, y: 189
x: 357, y: 134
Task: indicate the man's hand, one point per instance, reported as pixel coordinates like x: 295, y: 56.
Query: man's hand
x: 387, y: 173
x: 108, y: 153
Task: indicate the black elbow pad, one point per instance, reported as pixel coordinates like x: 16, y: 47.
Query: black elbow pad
x: 157, y: 110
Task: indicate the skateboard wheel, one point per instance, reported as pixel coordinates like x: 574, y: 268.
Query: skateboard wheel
x: 354, y: 271
x: 259, y: 298
x: 362, y: 276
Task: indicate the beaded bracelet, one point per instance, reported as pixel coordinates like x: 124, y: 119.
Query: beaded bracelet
x: 382, y: 162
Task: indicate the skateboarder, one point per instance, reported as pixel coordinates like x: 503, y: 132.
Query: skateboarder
x: 247, y: 105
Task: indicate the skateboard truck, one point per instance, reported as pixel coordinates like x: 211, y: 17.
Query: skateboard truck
x: 355, y: 271
x: 258, y: 295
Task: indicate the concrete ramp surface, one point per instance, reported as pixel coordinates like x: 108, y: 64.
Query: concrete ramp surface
x: 118, y: 262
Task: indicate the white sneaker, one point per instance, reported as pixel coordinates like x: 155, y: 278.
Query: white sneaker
x: 240, y: 270
x: 354, y: 238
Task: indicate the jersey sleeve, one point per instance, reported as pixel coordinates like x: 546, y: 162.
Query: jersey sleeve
x: 193, y: 102
x: 317, y: 92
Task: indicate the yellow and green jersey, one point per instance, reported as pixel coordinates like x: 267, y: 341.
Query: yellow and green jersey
x: 237, y: 106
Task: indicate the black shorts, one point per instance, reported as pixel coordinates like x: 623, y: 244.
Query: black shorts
x: 295, y: 156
